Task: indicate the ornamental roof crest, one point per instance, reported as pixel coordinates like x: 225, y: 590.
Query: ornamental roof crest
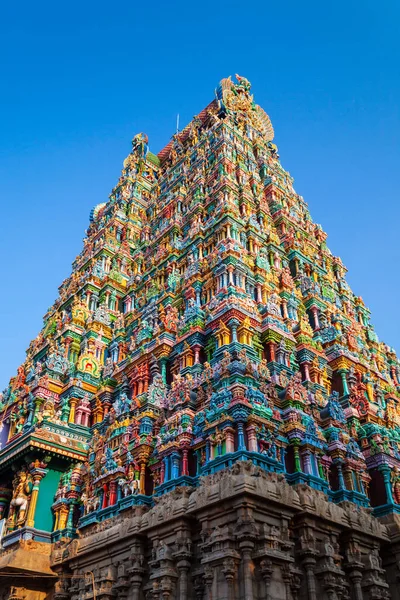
x: 236, y: 97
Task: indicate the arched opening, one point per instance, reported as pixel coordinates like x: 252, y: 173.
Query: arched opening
x: 148, y: 482
x: 289, y: 460
x: 376, y: 489
x: 337, y: 384
x: 333, y: 478
x: 192, y: 463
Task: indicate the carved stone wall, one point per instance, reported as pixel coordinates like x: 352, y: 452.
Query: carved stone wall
x: 242, y: 534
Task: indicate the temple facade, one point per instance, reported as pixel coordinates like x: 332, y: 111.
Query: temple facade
x: 207, y: 412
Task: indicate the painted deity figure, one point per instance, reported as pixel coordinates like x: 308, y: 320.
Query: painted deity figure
x: 157, y: 391
x: 22, y: 486
x: 170, y: 318
x: 48, y: 411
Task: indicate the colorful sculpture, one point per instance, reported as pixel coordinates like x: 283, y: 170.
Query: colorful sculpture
x: 205, y: 322
x: 22, y: 488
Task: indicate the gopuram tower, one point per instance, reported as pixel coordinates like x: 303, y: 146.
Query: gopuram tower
x: 207, y: 412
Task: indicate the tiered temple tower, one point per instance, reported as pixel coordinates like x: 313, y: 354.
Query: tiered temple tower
x: 207, y: 412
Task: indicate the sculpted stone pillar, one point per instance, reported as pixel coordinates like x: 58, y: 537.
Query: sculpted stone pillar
x: 137, y: 570
x: 72, y: 406
x: 252, y: 438
x: 309, y: 565
x: 183, y: 567
x: 38, y: 471
x: 229, y: 440
x: 266, y: 569
x: 355, y: 577
x: 182, y: 557
x: 142, y: 478
x: 121, y: 587
x: 229, y: 569
x: 343, y: 375
x: 61, y: 521
x: 247, y: 547
x: 185, y: 466
x: 209, y: 579
x: 308, y: 555
x: 385, y: 470
x: 61, y: 590
x: 354, y: 567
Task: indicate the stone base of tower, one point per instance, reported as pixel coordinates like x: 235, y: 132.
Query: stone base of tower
x: 23, y: 591
x: 242, y: 534
x: 25, y: 572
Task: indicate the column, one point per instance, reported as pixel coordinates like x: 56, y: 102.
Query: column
x: 320, y: 467
x: 175, y: 465
x: 271, y: 346
x: 142, y: 478
x: 29, y: 419
x: 56, y: 519
x: 314, y: 311
x: 37, y: 474
x: 241, y: 440
x: 86, y: 418
x: 185, y: 465
x: 252, y: 438
x: 70, y: 519
x: 198, y: 461
x: 348, y: 478
x: 307, y: 462
x: 72, y: 405
x: 306, y: 371
x: 62, y: 518
x: 308, y: 564
x: 360, y: 484
x: 208, y: 451
x: 355, y: 577
x: 285, y: 309
x: 136, y: 582
x: 297, y: 461
x: 340, y: 476
x: 266, y: 569
x: 113, y: 493
x: 105, y: 496
x: 212, y: 451
x: 343, y: 375
x: 248, y: 569
x: 229, y: 441
x: 183, y: 568
x: 78, y: 417
x: 394, y: 375
x: 163, y: 364
x: 385, y: 470
x: 196, y: 350
x: 162, y: 471
x: 233, y: 323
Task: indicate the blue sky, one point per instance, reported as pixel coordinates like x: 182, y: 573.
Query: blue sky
x: 78, y: 80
